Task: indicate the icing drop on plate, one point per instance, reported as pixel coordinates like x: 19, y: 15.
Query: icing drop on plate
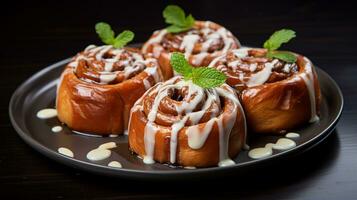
x: 98, y: 154
x: 65, y: 151
x: 284, y: 144
x: 261, y: 152
x: 47, y: 113
x: 115, y: 164
x: 108, y: 145
x: 57, y: 129
x: 292, y: 135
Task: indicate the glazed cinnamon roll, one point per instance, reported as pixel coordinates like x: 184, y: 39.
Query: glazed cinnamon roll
x: 276, y: 95
x: 100, y: 85
x: 180, y: 123
x: 202, y: 43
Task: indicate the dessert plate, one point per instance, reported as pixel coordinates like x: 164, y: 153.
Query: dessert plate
x: 39, y: 92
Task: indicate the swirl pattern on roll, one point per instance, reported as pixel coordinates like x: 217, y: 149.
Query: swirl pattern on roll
x: 107, y: 65
x: 179, y: 109
x: 205, y: 41
x: 273, y: 87
x: 247, y: 67
x: 100, y: 85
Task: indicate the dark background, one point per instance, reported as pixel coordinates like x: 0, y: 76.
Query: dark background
x: 36, y: 34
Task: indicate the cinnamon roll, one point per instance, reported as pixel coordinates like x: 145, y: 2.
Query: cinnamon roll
x: 181, y: 123
x: 100, y: 85
x: 276, y: 95
x: 203, y: 42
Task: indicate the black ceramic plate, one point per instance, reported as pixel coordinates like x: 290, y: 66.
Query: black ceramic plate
x: 39, y: 92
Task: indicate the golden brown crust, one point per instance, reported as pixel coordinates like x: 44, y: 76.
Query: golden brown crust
x: 186, y: 156
x: 207, y: 155
x: 277, y: 105
x: 161, y: 49
x: 103, y: 109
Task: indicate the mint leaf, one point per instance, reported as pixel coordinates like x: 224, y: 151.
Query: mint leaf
x: 278, y: 38
x: 123, y: 38
x: 105, y: 32
x: 190, y: 21
x: 275, y: 41
x: 282, y: 55
x: 207, y: 77
x: 175, y: 16
x: 180, y: 64
x: 202, y: 76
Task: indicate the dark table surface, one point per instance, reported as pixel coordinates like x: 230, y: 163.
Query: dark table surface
x: 35, y: 35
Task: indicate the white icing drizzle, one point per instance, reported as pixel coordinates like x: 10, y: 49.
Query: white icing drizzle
x: 149, y: 138
x: 65, y: 151
x: 108, y: 145
x: 155, y: 39
x: 188, y: 43
x: 107, y: 77
x: 228, y: 41
x: 198, y: 58
x: 115, y: 164
x: 287, y: 67
x: 57, y: 129
x: 47, y: 113
x: 211, y: 37
x: 133, y: 63
x: 102, y: 51
x: 241, y: 52
x: 196, y: 136
x: 91, y: 46
x: 292, y: 135
x: 216, y: 60
x: 146, y: 83
x: 263, y: 75
x: 98, y: 154
x: 152, y: 71
x: 108, y: 67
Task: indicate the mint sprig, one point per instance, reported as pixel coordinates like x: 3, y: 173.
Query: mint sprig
x: 175, y: 16
x: 282, y: 55
x: 275, y: 41
x: 180, y: 64
x: 106, y: 34
x: 202, y: 76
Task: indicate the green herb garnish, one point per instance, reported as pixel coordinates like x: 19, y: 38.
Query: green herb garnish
x: 179, y: 22
x: 275, y: 41
x: 204, y: 77
x: 106, y: 34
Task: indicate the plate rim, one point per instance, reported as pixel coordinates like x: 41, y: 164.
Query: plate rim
x: 134, y: 173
